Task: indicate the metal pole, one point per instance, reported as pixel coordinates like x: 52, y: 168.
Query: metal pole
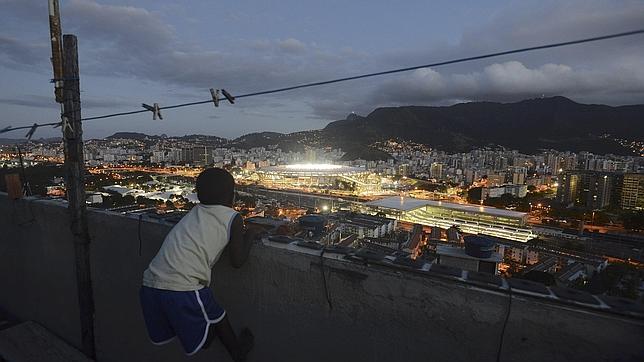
x: 74, y: 173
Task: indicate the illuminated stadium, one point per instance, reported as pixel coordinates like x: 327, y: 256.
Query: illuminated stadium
x: 471, y: 219
x: 320, y: 177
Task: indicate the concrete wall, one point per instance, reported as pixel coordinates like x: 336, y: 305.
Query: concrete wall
x: 37, y: 277
x: 377, y: 313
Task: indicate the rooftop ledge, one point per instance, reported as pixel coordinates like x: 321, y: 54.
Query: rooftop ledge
x: 352, y: 306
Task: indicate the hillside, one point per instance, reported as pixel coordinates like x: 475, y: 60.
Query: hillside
x: 529, y: 125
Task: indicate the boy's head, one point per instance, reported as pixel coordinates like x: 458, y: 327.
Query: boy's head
x: 215, y: 186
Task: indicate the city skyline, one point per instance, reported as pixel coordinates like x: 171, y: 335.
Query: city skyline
x: 153, y: 56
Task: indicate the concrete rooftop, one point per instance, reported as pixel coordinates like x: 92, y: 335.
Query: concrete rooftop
x: 360, y: 310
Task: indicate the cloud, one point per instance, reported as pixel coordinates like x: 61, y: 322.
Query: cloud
x: 291, y: 45
x: 621, y: 83
x: 32, y: 10
x: 609, y: 72
x: 39, y: 101
x: 136, y: 30
x: 132, y: 42
x: 510, y: 81
x: 16, y: 54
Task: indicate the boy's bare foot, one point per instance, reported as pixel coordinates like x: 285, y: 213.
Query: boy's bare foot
x: 246, y: 344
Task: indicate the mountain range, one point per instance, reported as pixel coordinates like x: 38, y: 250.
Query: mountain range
x: 528, y: 126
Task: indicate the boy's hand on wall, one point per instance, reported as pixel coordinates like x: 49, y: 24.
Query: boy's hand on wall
x: 253, y: 232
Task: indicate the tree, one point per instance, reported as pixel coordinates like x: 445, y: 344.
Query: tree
x: 633, y: 220
x: 114, y: 200
x: 128, y: 200
x: 474, y: 195
x: 504, y: 201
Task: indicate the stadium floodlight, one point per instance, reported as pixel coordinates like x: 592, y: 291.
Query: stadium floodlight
x: 313, y: 166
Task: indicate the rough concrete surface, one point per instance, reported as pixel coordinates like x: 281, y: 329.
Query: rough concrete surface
x: 30, y: 342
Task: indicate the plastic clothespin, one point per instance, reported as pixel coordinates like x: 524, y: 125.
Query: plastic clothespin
x: 31, y: 131
x: 6, y: 129
x: 228, y: 96
x: 215, y: 96
x: 156, y: 111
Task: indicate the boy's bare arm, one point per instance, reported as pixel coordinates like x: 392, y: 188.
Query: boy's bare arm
x: 241, y: 240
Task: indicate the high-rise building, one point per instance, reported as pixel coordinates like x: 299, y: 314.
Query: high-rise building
x: 436, y: 171
x: 519, y: 175
x: 586, y: 189
x: 632, y: 193
x: 403, y: 169
x: 202, y: 155
x: 187, y: 156
x: 568, y: 188
x: 596, y: 191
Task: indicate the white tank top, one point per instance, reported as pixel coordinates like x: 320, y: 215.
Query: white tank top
x: 191, y: 249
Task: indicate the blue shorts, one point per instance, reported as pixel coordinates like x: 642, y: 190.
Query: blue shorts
x: 186, y: 315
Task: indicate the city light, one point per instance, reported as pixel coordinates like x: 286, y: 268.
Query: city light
x: 313, y: 166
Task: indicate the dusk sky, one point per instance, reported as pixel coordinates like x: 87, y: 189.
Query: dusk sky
x: 169, y: 52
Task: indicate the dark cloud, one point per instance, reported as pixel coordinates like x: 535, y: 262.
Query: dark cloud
x: 16, y: 54
x: 133, y: 42
x: 39, y: 101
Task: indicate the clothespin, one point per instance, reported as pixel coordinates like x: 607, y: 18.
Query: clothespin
x: 215, y: 96
x: 31, y: 131
x: 65, y: 124
x: 228, y: 96
x: 156, y: 111
x: 6, y: 129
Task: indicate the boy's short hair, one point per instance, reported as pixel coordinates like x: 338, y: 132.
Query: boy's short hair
x: 215, y: 186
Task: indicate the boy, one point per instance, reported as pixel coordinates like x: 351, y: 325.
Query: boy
x: 175, y: 297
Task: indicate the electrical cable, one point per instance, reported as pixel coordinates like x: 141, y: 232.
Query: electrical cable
x: 139, y: 233
x: 326, y: 287
x: 505, y: 323
x: 355, y: 77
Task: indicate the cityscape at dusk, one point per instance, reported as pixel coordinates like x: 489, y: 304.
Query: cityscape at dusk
x: 495, y: 193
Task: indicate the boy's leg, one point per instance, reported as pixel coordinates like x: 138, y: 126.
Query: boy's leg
x: 159, y: 328
x: 238, y: 348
